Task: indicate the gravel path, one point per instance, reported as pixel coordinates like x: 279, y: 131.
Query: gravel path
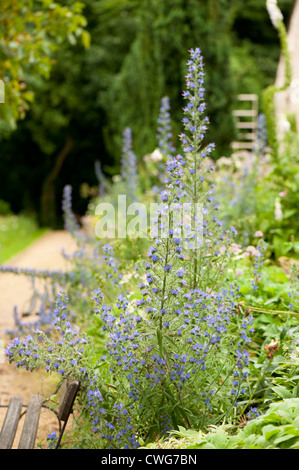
x: 45, y: 253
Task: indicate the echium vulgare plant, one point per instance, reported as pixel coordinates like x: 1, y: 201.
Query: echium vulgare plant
x: 59, y: 353
x: 101, y: 178
x: 164, y: 131
x: 71, y: 225
x: 176, y: 356
x: 209, y: 252
x: 129, y: 170
x: 164, y: 134
x: 179, y: 354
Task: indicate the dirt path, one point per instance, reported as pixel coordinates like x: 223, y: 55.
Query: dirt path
x: 45, y: 253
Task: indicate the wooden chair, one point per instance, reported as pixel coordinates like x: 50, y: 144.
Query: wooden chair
x: 69, y: 390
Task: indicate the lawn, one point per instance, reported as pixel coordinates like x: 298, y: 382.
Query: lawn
x: 16, y: 233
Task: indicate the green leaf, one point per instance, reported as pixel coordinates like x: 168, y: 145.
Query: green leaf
x: 72, y: 39
x: 85, y: 36
x: 284, y: 438
x: 273, y: 300
x: 282, y: 392
x: 270, y: 430
x: 170, y: 340
x: 159, y: 338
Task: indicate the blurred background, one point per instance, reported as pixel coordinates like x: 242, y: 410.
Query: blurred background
x: 76, y: 75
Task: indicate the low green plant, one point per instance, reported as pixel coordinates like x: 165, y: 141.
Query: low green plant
x: 259, y: 195
x: 278, y: 428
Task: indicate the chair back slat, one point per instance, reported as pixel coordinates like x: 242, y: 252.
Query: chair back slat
x: 69, y: 390
x: 29, y: 432
x: 10, y: 424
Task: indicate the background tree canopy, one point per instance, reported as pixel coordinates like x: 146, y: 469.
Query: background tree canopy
x: 91, y: 72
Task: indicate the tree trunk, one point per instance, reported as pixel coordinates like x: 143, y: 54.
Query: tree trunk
x: 48, y: 207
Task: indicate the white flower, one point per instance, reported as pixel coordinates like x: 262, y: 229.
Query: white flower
x: 116, y: 178
x: 125, y: 278
x: 277, y: 211
x: 131, y: 307
x: 156, y: 156
x: 274, y: 12
x: 284, y: 125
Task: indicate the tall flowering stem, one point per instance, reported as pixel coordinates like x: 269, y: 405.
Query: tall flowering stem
x: 164, y: 270
x: 207, y: 252
x: 100, y: 177
x: 164, y: 134
x: 164, y: 131
x: 129, y: 171
x: 70, y: 222
x: 262, y: 137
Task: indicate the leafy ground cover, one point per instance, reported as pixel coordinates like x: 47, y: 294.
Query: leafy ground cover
x: 276, y: 429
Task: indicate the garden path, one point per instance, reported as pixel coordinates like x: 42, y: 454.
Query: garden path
x: 45, y: 253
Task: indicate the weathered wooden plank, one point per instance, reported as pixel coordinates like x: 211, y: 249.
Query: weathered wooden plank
x: 246, y: 124
x: 245, y: 112
x: 69, y: 391
x: 246, y: 135
x: 247, y: 97
x: 243, y: 145
x: 10, y: 423
x: 28, y: 435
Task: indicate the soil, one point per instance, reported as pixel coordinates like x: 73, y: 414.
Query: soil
x: 45, y: 253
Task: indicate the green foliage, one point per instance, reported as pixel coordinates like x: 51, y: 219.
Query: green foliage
x: 4, y: 208
x: 255, y: 46
x: 258, y: 194
x: 153, y: 68
x: 135, y: 56
x: 30, y: 32
x: 278, y: 428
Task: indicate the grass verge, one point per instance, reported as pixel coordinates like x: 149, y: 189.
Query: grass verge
x: 16, y: 233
